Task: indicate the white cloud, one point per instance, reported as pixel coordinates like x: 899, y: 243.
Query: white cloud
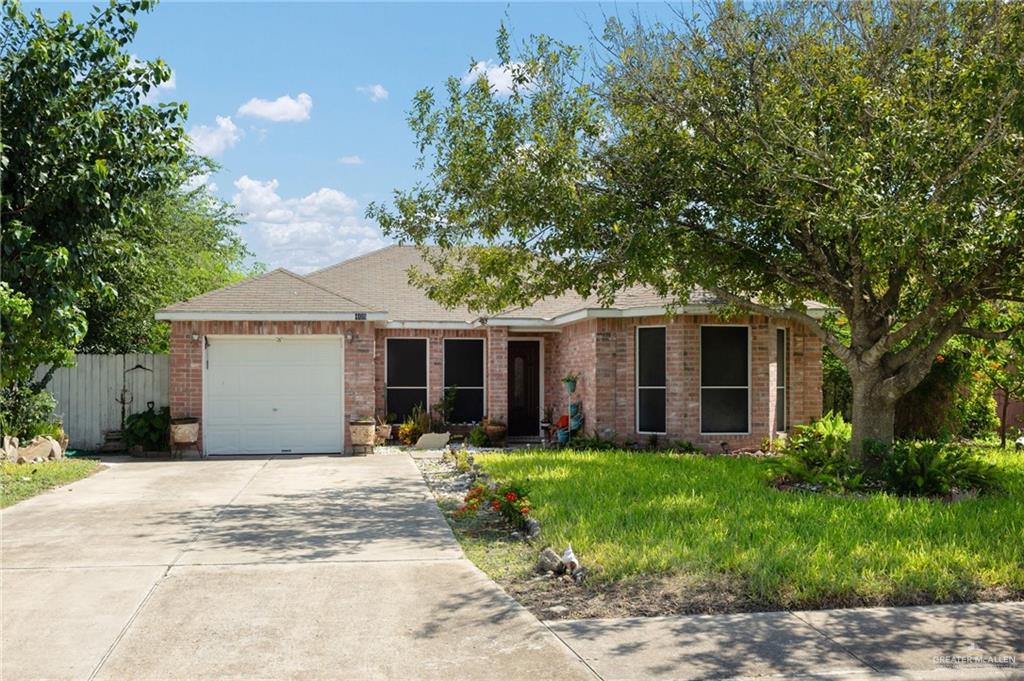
x: 353, y: 160
x: 499, y: 77
x: 376, y: 92
x: 284, y: 108
x: 214, y: 141
x: 303, y: 233
x: 198, y: 181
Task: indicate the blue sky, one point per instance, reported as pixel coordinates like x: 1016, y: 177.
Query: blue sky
x: 304, y: 104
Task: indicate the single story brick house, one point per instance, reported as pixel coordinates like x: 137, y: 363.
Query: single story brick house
x: 280, y: 363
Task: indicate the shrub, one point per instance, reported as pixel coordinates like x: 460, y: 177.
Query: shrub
x: 477, y: 436
x: 685, y: 447
x: 25, y: 413
x: 929, y: 468
x: 819, y: 454
x: 592, y: 442
x: 409, y: 432
x: 149, y: 429
x: 508, y: 500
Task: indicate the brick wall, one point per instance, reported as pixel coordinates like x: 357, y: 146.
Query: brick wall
x: 186, y: 360
x: 435, y: 359
x: 603, y: 352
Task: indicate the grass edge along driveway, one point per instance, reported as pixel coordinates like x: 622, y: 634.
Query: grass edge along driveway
x: 716, y: 520
x: 19, y: 481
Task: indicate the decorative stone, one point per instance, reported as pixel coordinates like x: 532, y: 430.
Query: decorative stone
x: 579, y: 574
x: 549, y: 561
x: 569, y: 560
x: 532, y: 528
x: 10, y: 448
x: 432, y: 441
x: 41, y: 448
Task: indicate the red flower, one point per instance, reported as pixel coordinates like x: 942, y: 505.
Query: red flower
x: 524, y: 510
x: 511, y: 496
x: 940, y: 359
x: 496, y: 504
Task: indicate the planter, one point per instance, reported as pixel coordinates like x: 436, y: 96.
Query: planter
x: 184, y: 431
x: 496, y: 433
x: 574, y: 408
x: 575, y: 423
x: 382, y: 433
x: 362, y: 433
x: 563, y: 436
x: 570, y: 386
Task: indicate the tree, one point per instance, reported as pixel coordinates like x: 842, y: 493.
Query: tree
x: 184, y: 244
x: 1002, y: 363
x: 80, y: 153
x: 869, y: 156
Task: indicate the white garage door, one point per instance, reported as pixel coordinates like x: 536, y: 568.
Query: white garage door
x: 273, y: 395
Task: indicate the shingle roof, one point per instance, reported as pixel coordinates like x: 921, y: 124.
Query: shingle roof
x: 381, y: 279
x: 279, y: 291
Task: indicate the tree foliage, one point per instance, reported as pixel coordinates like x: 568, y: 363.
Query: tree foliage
x: 866, y: 155
x: 184, y: 244
x: 1002, y: 361
x: 81, y: 152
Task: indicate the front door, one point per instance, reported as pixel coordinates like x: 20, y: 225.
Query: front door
x: 523, y: 388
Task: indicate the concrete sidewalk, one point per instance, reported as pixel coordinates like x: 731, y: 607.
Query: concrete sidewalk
x: 282, y: 568
x: 978, y: 641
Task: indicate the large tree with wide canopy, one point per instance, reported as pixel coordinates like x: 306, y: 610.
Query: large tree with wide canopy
x: 866, y: 155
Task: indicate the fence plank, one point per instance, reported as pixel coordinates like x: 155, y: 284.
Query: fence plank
x: 87, y: 394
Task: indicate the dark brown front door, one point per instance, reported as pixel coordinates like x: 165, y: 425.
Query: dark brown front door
x: 523, y: 388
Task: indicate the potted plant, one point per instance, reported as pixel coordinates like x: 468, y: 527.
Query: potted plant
x: 549, y: 415
x: 362, y: 431
x: 495, y: 430
x: 569, y: 381
x: 383, y: 428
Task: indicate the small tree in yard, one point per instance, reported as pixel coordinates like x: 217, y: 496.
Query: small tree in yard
x: 1002, y: 364
x: 80, y: 153
x: 866, y: 155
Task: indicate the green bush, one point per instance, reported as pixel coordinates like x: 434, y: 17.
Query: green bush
x: 478, y: 436
x: 819, y: 454
x: 148, y: 429
x: 592, y: 443
x: 929, y: 468
x: 25, y: 413
x: 415, y: 424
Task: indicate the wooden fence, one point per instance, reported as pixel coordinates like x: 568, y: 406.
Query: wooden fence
x: 94, y: 395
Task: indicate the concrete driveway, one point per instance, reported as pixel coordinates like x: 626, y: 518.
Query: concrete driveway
x: 316, y: 567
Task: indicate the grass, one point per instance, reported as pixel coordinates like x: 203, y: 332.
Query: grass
x: 714, y: 520
x: 19, y: 481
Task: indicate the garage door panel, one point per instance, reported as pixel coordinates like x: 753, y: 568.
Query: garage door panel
x: 267, y: 397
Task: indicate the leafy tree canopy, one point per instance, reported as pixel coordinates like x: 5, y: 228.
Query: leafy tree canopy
x: 866, y: 155
x: 81, y: 152
x: 183, y: 244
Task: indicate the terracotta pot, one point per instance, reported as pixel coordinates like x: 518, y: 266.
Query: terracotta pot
x: 495, y: 433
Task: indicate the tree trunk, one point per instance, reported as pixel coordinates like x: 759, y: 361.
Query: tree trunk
x: 1002, y: 419
x: 874, y: 414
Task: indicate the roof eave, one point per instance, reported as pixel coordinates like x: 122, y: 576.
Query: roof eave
x: 205, y: 316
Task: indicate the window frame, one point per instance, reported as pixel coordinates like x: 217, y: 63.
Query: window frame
x: 636, y: 379
x: 426, y: 367
x: 781, y: 380
x: 483, y: 358
x: 701, y: 387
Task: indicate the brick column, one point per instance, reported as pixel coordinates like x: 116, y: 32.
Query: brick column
x: 497, y: 373
x: 358, y: 374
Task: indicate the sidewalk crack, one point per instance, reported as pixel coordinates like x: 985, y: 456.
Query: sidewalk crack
x: 833, y: 641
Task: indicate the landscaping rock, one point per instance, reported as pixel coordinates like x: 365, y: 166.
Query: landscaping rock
x: 432, y: 441
x: 579, y: 574
x: 10, y: 448
x: 41, y: 447
x: 532, y: 528
x: 569, y: 560
x: 549, y: 561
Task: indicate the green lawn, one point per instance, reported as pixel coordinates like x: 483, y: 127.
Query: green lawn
x: 20, y: 481
x: 715, y: 520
